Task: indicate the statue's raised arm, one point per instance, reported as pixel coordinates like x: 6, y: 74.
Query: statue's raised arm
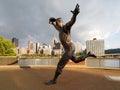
x: 75, y: 12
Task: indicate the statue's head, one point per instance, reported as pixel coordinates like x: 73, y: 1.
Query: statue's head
x: 59, y: 22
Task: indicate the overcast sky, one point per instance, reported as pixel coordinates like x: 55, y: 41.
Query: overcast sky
x: 28, y: 20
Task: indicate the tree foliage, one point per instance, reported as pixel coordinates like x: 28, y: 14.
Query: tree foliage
x: 6, y: 47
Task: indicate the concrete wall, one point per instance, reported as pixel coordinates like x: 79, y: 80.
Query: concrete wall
x: 90, y: 62
x: 35, y: 62
x: 4, y: 60
x: 102, y: 63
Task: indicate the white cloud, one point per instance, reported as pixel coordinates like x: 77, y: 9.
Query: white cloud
x: 28, y: 19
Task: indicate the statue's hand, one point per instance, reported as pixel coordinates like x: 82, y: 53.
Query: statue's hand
x: 76, y: 10
x: 52, y: 20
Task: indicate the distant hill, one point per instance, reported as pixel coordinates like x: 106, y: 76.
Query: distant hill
x: 112, y: 51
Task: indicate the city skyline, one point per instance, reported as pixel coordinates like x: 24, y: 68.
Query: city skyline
x: 55, y: 40
x: 55, y: 48
x: 28, y: 20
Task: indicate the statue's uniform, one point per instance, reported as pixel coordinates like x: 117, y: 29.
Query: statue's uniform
x: 69, y: 48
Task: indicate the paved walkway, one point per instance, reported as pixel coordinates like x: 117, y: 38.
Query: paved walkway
x: 72, y: 78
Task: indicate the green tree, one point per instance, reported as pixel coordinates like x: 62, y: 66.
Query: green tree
x: 6, y: 47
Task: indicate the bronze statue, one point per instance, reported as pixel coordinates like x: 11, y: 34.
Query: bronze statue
x: 65, y: 38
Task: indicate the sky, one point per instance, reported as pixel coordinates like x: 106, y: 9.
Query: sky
x: 28, y: 20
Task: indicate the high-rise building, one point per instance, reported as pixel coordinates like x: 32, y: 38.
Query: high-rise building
x: 56, y: 46
x: 78, y: 47
x: 37, y: 47
x: 53, y: 42
x: 95, y: 46
x: 15, y: 41
x: 31, y: 47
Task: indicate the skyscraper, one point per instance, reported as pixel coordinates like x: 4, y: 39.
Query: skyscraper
x: 53, y: 42
x: 95, y: 46
x: 37, y: 47
x: 56, y: 47
x: 31, y: 47
x: 78, y: 47
x: 15, y: 41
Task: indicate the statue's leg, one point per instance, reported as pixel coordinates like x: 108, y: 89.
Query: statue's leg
x: 74, y: 58
x: 77, y: 60
x: 82, y: 58
x: 61, y: 64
